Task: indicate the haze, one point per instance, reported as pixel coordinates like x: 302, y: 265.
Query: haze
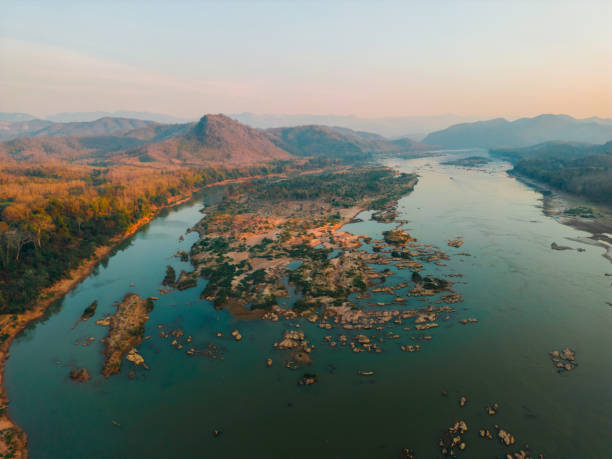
x: 482, y: 59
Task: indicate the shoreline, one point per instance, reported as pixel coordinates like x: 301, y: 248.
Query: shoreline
x: 11, y: 325
x: 555, y: 203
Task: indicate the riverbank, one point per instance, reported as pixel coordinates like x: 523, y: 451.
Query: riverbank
x: 562, y: 207
x: 13, y: 440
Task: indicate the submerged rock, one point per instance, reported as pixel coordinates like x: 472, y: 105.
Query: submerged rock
x: 80, y: 375
x: 308, y: 379
x: 556, y: 246
x: 236, y: 334
x: 365, y: 373
x: 564, y: 360
x: 89, y: 311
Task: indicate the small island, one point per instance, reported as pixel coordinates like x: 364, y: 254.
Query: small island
x: 470, y: 161
x: 125, y: 331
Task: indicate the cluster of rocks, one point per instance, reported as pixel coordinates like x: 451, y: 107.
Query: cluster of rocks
x: 236, y: 334
x: 398, y: 237
x: 452, y: 298
x: 469, y: 320
x: 506, y: 437
x: 295, y: 341
x: 564, y: 360
x: 137, y: 359
x: 452, y: 441
x: 179, y: 341
x: 455, y: 242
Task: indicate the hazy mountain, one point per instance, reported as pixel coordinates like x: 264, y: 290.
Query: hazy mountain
x: 523, y: 132
x: 15, y: 117
x: 68, y: 117
x: 44, y: 128
x: 415, y: 127
x: 102, y: 126
x: 15, y: 129
x: 336, y: 142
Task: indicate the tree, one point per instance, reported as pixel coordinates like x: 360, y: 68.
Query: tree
x: 40, y: 222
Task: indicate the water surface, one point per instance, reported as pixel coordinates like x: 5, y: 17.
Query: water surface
x: 528, y: 298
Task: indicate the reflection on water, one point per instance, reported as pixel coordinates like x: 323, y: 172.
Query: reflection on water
x: 528, y: 298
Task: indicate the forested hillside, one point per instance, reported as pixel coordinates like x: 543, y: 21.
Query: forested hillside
x: 589, y: 176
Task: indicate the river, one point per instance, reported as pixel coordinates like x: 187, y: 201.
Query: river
x: 528, y: 299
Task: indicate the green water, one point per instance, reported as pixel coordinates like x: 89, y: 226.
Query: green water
x: 528, y: 298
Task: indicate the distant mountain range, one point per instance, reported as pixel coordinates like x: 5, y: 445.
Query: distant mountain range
x: 39, y: 128
x: 337, y: 142
x: 522, y: 132
x: 213, y: 139
x: 415, y: 127
x: 15, y: 117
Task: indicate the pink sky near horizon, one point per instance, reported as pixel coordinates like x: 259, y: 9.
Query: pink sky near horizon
x: 466, y: 58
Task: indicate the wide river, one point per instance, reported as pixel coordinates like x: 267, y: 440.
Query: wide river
x: 528, y: 299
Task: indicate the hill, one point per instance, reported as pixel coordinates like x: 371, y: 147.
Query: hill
x: 577, y: 168
x: 337, y: 142
x: 214, y: 139
x: 390, y: 127
x: 45, y: 149
x: 522, y: 132
x: 589, y: 176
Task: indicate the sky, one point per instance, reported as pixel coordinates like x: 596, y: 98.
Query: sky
x: 370, y: 59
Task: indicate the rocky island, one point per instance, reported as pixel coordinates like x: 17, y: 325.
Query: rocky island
x: 125, y: 332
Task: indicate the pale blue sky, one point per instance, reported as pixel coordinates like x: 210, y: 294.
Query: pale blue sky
x: 365, y: 58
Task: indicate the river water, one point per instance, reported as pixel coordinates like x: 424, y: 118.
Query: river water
x: 528, y: 299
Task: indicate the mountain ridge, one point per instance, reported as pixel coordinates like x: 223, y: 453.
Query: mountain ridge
x: 523, y: 132
x: 213, y: 139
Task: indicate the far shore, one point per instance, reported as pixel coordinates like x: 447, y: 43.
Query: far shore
x: 556, y: 202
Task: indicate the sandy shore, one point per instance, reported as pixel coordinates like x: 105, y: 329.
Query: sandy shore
x: 555, y: 203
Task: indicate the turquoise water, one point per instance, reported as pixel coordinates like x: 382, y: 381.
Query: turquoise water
x: 528, y: 298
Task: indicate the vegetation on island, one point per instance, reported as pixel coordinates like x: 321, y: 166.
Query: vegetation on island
x: 249, y: 238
